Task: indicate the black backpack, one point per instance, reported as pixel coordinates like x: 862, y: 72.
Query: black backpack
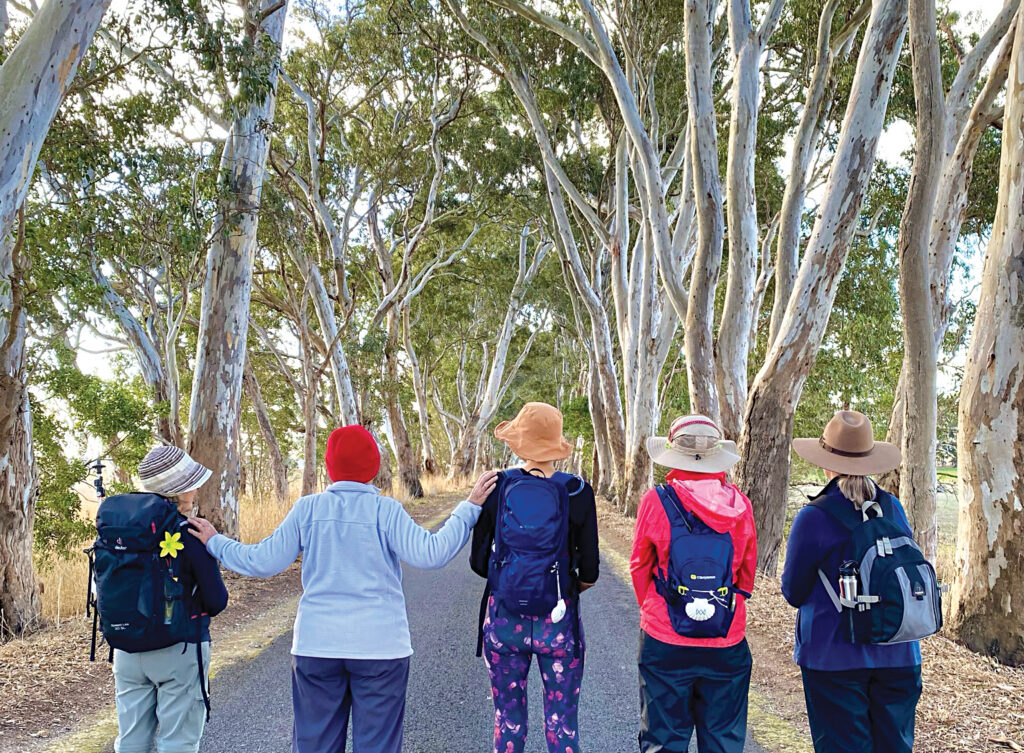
x: 135, y: 578
x: 894, y: 594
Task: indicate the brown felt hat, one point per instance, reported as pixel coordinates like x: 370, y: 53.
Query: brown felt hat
x: 848, y: 447
x: 535, y: 434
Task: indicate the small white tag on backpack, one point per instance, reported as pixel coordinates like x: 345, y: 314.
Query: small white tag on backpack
x: 559, y: 611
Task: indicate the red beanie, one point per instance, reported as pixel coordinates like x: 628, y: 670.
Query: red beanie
x: 352, y: 455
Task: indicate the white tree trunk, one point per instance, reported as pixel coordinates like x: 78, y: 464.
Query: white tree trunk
x: 988, y: 588
x: 224, y: 315
x: 764, y: 445
x: 700, y: 358
x: 732, y: 348
x: 33, y: 80
x: 918, y: 481
x: 788, y: 257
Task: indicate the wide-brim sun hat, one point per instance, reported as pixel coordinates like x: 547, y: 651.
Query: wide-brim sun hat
x: 535, y: 434
x: 169, y: 471
x: 694, y: 443
x: 848, y: 447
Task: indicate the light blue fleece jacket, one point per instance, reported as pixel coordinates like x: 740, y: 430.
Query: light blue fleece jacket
x: 352, y: 541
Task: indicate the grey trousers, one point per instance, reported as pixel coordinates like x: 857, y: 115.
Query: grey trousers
x: 325, y: 691
x: 159, y: 699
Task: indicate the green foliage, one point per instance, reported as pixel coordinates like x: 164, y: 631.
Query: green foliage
x: 59, y: 525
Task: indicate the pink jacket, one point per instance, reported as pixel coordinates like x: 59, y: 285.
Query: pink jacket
x: 723, y: 507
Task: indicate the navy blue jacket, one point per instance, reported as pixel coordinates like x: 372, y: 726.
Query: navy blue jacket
x: 819, y: 541
x: 200, y: 576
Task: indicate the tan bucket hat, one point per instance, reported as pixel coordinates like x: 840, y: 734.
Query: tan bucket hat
x: 694, y: 443
x: 535, y: 434
x: 848, y: 446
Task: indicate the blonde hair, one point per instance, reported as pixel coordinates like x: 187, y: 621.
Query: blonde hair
x: 857, y: 489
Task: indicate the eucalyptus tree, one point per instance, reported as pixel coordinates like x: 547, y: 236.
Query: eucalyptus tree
x: 215, y: 404
x: 669, y: 167
x: 988, y: 587
x: 764, y: 449
x: 468, y: 369
x: 951, y: 121
x: 375, y: 153
x: 34, y: 79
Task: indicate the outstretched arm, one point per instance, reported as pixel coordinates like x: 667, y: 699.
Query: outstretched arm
x: 269, y: 557
x: 419, y: 547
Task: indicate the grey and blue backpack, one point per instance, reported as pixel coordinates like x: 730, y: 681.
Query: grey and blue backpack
x: 698, y: 588
x: 894, y: 596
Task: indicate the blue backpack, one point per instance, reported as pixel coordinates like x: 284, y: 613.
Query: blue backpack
x: 698, y: 587
x: 140, y: 600
x: 529, y: 569
x: 897, y: 596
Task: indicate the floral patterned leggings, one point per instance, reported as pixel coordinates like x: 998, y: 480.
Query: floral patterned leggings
x: 510, y: 642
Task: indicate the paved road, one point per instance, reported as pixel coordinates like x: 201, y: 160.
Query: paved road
x: 449, y: 706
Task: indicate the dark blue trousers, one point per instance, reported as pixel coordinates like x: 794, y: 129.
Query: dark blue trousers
x: 325, y: 691
x: 862, y: 710
x: 684, y: 688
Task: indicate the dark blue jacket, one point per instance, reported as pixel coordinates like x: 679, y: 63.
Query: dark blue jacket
x: 200, y: 576
x: 819, y: 541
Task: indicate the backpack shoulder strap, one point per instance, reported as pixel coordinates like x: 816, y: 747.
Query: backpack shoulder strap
x: 677, y: 515
x: 844, y: 514
x: 567, y: 479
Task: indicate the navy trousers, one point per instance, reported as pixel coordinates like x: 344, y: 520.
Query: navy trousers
x: 684, y: 688
x: 325, y: 691
x: 862, y: 710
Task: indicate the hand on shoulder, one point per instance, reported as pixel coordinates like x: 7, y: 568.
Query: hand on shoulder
x: 202, y: 529
x: 483, y: 488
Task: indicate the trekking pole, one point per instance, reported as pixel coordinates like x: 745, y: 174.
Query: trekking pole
x: 96, y: 467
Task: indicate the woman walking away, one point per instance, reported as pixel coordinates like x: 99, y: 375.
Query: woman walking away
x: 161, y: 656
x: 864, y: 593
x: 693, y: 561
x: 351, y: 647
x: 536, y: 543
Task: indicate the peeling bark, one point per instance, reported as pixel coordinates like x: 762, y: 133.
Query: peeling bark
x: 988, y: 588
x: 224, y: 315
x: 19, y: 478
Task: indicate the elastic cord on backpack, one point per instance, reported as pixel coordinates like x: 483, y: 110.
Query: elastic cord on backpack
x: 199, y: 663
x: 483, y: 616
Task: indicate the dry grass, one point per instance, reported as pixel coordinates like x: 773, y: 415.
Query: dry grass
x: 437, y: 485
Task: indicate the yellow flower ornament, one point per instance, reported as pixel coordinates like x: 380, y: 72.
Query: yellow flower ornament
x: 171, y: 544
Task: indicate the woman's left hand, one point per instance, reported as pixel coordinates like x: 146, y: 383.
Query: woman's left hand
x: 202, y: 529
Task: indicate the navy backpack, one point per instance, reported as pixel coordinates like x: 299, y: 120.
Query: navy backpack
x: 140, y: 602
x: 139, y: 595
x: 898, y: 598
x: 529, y: 569
x: 698, y: 587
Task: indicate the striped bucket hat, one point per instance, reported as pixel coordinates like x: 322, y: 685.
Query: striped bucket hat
x: 168, y: 471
